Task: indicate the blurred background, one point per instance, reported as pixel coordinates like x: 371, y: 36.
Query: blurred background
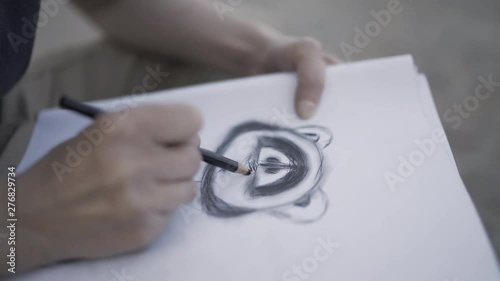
x: 454, y: 42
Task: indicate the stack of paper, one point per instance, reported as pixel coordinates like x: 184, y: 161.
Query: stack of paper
x: 370, y: 190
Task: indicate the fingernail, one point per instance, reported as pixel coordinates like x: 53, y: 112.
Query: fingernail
x: 306, y: 109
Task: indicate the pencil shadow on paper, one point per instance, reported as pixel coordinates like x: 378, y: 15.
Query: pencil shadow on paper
x: 288, y: 170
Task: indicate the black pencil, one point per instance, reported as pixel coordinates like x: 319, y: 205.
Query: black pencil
x: 209, y: 157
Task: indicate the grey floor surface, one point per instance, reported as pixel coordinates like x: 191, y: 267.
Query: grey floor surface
x: 454, y: 42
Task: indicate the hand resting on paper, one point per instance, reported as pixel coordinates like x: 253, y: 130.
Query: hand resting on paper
x: 192, y: 31
x: 306, y: 57
x: 117, y: 198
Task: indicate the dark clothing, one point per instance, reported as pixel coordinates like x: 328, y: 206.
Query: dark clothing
x: 18, y: 20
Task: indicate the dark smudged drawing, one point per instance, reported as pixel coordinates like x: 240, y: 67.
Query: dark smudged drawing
x: 287, y: 172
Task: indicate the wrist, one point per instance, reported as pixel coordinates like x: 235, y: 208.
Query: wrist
x: 34, y: 245
x: 264, y: 53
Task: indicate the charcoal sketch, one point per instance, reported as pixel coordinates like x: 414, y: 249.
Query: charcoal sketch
x: 287, y: 172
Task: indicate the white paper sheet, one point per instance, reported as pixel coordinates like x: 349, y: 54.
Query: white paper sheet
x: 424, y: 228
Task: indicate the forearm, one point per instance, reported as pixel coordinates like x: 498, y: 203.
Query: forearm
x: 192, y: 30
x: 189, y: 30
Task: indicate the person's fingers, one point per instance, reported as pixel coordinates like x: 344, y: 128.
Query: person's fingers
x: 308, y: 62
x: 171, y: 195
x: 194, y: 141
x: 176, y: 163
x: 164, y: 124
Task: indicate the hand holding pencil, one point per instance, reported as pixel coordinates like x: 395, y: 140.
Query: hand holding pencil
x: 208, y: 156
x: 126, y: 186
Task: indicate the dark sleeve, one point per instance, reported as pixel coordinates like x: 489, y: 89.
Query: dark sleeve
x: 18, y: 20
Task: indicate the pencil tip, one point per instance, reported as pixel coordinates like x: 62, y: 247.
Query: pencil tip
x: 243, y: 170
